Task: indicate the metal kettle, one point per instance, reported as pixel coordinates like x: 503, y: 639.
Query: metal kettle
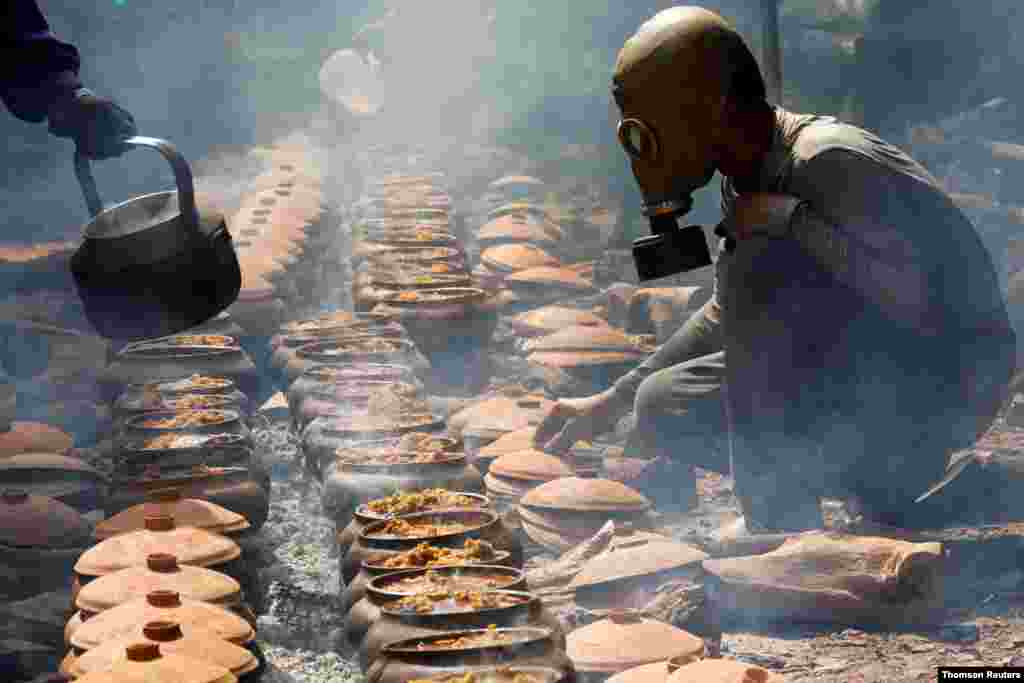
x: 152, y: 266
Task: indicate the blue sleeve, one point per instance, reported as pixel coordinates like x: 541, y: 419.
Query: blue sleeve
x: 35, y: 67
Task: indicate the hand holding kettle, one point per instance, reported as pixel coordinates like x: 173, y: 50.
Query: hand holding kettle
x: 98, y: 125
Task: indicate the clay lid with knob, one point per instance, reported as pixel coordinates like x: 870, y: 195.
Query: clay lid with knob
x: 170, y: 638
x: 580, y: 494
x: 124, y: 620
x: 145, y: 661
x: 28, y: 521
x: 625, y: 640
x: 185, y: 512
x: 192, y: 546
x: 160, y: 572
x: 723, y: 671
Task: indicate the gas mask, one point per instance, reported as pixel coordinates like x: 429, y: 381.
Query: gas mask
x: 670, y: 249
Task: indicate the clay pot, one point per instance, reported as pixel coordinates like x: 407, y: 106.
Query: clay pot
x: 32, y: 437
x: 563, y: 513
x: 546, y: 284
x: 369, y: 350
x: 190, y: 545
x: 508, y: 258
x: 323, y: 436
x: 172, y: 639
x: 443, y: 319
x: 508, y: 674
x: 397, y: 256
x: 595, y: 352
x: 209, y: 421
x: 479, y: 524
x: 355, y: 590
x: 135, y: 455
x: 396, y: 624
x: 258, y: 310
x: 386, y: 588
x: 285, y: 347
x: 722, y: 671
x: 188, y: 512
x: 512, y: 228
x: 363, y: 515
x: 145, y: 661
x: 627, y: 640
x: 494, y: 415
x: 40, y: 541
x: 67, y: 480
x: 414, y: 659
x: 353, y: 398
x: 124, y: 620
x: 635, y: 564
x: 158, y: 572
x: 550, y: 319
x: 658, y: 672
x: 325, y: 379
x: 169, y: 396
x: 152, y: 362
x: 513, y: 475
x: 512, y: 442
x: 242, y: 490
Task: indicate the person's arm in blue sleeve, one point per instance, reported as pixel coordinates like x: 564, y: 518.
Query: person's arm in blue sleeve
x: 39, y: 80
x: 37, y: 70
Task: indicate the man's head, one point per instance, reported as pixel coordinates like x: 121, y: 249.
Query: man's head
x: 680, y: 82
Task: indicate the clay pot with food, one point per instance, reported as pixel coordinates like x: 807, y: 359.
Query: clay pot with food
x: 453, y: 652
x: 505, y: 674
x: 286, y: 347
x: 360, y: 397
x: 449, y: 528
x: 408, y: 501
x: 395, y: 585
x: 323, y: 436
x: 369, y: 350
x: 594, y: 353
x: 189, y: 392
x: 423, y: 556
x: 444, y: 319
x: 496, y: 414
x: 172, y: 358
x: 161, y: 605
x: 30, y: 437
x: 174, y: 451
x: 396, y: 257
x: 65, y: 479
x: 328, y: 380
x: 40, y: 541
x: 186, y: 421
x: 438, y: 613
x: 145, y: 661
x: 372, y: 288
x: 172, y: 639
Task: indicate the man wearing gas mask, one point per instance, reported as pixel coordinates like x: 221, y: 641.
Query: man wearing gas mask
x: 857, y: 325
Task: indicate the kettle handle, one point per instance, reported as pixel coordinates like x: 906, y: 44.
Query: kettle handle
x: 180, y: 167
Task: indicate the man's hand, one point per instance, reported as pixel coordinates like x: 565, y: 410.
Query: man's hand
x: 96, y: 124
x: 761, y: 214
x: 579, y: 419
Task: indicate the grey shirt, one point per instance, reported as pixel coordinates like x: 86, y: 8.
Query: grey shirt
x: 881, y: 224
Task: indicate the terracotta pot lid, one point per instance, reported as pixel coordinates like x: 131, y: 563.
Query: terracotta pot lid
x: 586, y: 495
x: 187, y: 512
x: 531, y: 465
x: 328, y: 320
x: 656, y: 672
x: 192, y: 546
x: 647, y: 555
x: 124, y: 620
x: 160, y: 572
x: 144, y: 661
x: 513, y: 257
x: 519, y: 440
x: 171, y: 638
x: 28, y: 521
x: 544, y: 276
x: 502, y: 488
x: 26, y: 437
x: 511, y: 180
x: 551, y: 319
x: 625, y: 640
x: 497, y: 414
x: 555, y: 531
x: 587, y: 338
x: 582, y: 359
x: 512, y: 228
x: 723, y: 671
